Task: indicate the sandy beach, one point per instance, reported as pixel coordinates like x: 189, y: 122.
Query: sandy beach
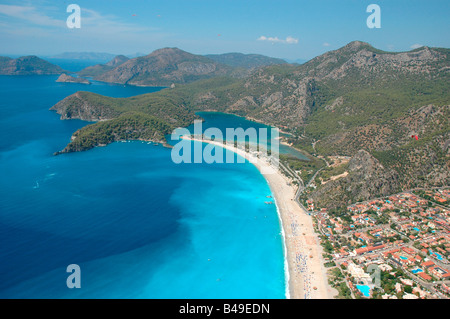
x: 307, y: 275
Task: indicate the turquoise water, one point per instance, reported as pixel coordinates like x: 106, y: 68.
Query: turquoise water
x: 222, y: 121
x: 365, y: 290
x: 415, y: 271
x: 138, y: 225
x: 403, y: 258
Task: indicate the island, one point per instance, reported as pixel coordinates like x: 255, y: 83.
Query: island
x: 70, y: 79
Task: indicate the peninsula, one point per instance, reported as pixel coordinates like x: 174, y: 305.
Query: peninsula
x: 28, y: 65
x: 70, y: 79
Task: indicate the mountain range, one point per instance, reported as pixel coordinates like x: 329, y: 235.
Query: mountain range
x: 160, y: 68
x: 169, y: 66
x: 95, y: 56
x: 246, y: 61
x: 357, y: 101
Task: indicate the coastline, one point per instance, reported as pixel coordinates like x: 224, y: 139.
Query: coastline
x: 305, y: 275
x: 306, y: 154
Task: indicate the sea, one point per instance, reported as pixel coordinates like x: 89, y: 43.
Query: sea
x: 137, y: 224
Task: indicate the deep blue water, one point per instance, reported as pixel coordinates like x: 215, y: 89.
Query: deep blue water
x: 138, y: 225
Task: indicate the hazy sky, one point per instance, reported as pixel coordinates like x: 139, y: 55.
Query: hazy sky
x: 293, y: 29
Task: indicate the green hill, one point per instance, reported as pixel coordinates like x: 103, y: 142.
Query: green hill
x: 27, y: 65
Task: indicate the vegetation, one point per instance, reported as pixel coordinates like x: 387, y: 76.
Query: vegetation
x: 143, y: 117
x: 306, y: 168
x: 129, y: 126
x: 327, y: 172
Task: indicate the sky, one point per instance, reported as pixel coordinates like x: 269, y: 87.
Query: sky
x: 289, y: 29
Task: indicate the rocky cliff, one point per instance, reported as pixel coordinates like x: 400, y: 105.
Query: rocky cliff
x: 367, y: 178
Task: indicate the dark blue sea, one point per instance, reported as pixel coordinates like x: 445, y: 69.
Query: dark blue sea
x: 138, y: 225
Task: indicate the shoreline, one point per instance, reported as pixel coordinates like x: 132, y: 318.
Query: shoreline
x: 305, y: 153
x: 304, y: 272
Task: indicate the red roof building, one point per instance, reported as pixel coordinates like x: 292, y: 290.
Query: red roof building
x: 408, y: 250
x: 424, y: 276
x: 428, y: 264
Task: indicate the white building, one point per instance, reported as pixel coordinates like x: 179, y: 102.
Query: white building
x: 410, y: 296
x: 406, y: 282
x: 358, y: 273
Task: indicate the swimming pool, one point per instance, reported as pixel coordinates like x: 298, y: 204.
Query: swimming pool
x: 403, y: 258
x: 438, y: 256
x: 365, y: 290
x: 415, y: 271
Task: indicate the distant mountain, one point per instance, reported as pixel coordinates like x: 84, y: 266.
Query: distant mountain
x: 247, y: 61
x: 135, y: 55
x: 164, y: 67
x: 99, y: 69
x: 27, y: 65
x: 172, y: 65
x: 296, y: 61
x: 96, y: 56
x: 118, y: 60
